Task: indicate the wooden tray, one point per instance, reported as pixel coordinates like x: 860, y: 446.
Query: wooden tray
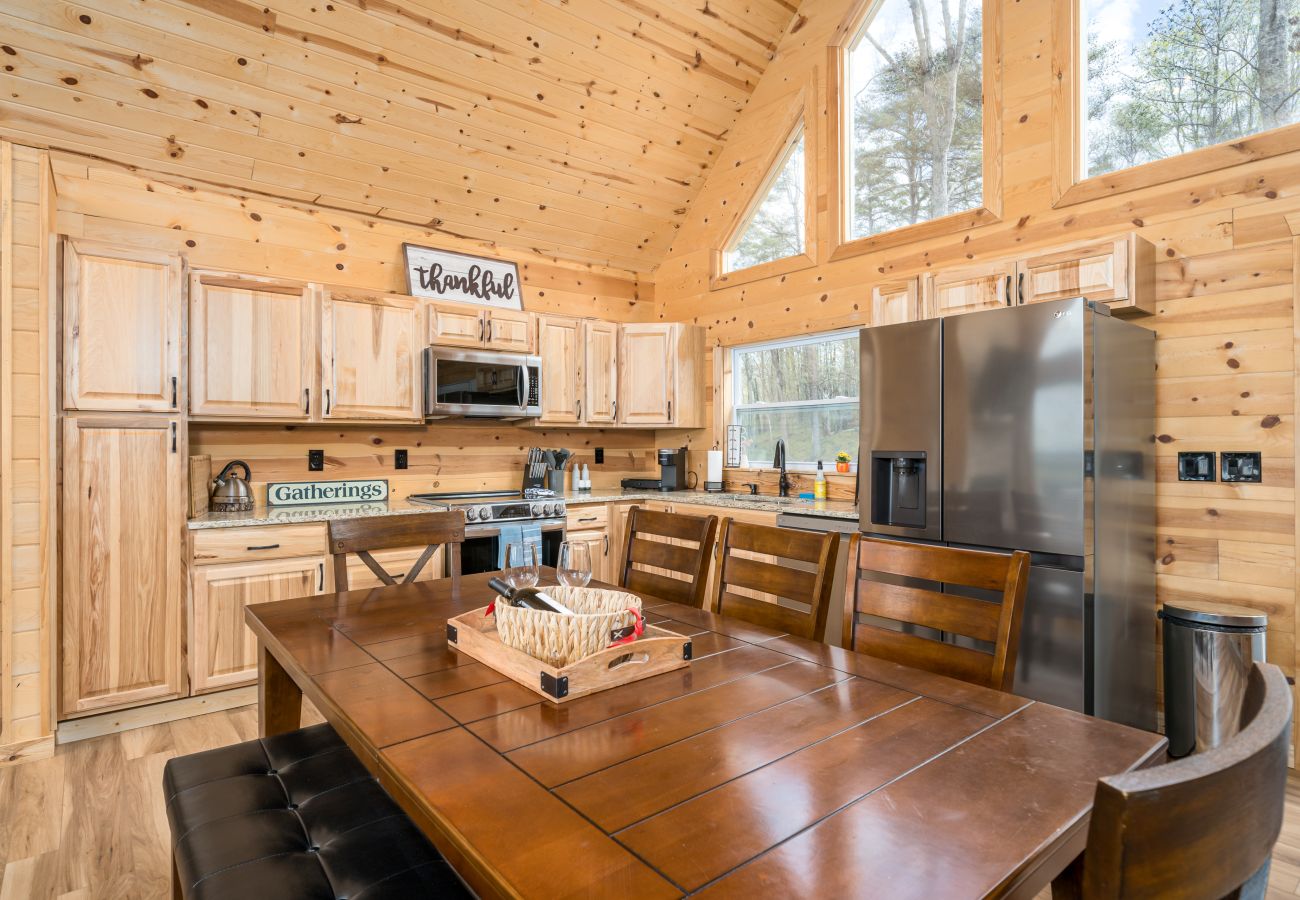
x: 655, y: 652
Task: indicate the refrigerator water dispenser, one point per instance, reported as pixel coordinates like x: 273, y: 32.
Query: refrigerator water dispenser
x: 898, y: 489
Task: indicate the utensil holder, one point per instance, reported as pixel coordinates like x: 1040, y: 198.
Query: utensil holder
x: 555, y: 480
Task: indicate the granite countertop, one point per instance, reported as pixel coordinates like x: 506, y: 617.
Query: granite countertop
x: 297, y: 515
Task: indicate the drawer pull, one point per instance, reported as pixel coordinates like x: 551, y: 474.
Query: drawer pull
x: 321, y: 570
x: 264, y: 547
x: 588, y: 519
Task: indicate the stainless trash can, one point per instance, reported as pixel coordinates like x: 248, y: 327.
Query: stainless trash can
x: 1208, y: 649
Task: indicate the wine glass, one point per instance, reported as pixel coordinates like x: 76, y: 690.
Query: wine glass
x: 521, y: 565
x: 574, y: 565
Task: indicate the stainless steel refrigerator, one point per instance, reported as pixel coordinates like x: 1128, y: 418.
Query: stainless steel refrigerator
x: 1029, y: 428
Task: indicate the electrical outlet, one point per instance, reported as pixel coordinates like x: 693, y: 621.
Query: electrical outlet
x: 315, y: 460
x: 399, y: 459
x: 1238, y: 467
x: 1196, y: 466
x: 600, y: 455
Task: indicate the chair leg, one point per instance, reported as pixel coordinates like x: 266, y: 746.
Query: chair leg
x: 177, y: 892
x: 1069, y: 884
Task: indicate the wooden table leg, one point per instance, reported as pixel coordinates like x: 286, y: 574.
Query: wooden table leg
x: 1069, y: 884
x: 279, y: 700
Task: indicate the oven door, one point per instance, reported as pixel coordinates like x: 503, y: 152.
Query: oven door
x: 481, y: 383
x: 481, y: 551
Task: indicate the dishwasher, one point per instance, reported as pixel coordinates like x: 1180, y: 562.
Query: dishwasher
x: 823, y: 525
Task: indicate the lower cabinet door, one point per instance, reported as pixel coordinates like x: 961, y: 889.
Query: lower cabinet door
x: 598, y: 548
x: 223, y: 652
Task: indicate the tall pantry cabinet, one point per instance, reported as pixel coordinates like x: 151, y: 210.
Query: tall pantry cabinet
x: 124, y: 447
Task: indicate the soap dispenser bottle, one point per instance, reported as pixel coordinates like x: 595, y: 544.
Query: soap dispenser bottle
x: 819, y: 483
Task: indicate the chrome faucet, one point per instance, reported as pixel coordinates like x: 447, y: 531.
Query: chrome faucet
x: 783, y: 484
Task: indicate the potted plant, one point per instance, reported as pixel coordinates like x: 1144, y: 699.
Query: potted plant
x: 842, y: 461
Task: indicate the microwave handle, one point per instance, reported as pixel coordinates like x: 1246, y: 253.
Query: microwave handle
x: 525, y: 383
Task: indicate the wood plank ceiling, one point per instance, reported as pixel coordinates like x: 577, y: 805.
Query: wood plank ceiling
x: 579, y: 129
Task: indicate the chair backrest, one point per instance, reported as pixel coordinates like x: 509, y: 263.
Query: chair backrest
x: 361, y: 536
x: 1203, y: 826
x: 801, y: 569
x: 646, y: 548
x: 889, y: 598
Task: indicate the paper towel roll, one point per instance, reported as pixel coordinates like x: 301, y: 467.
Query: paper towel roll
x: 713, y: 475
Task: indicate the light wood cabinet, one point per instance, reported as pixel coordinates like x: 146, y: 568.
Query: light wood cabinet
x: 1119, y: 273
x: 123, y: 578
x: 598, y: 549
x: 559, y: 344
x: 455, y: 325
x: 600, y: 372
x: 508, y: 329
x: 463, y: 325
x: 122, y: 311
x: 252, y: 347
x: 222, y: 650
x: 256, y: 543
x: 661, y: 374
x: 896, y: 301
x: 370, y: 357
x: 969, y: 288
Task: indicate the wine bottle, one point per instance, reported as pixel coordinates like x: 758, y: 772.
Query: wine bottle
x: 528, y: 598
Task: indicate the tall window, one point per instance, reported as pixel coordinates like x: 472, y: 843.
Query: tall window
x: 804, y: 390
x: 1162, y: 78
x: 915, y: 114
x: 775, y: 227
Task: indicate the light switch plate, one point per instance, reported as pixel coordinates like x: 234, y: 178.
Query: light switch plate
x: 1241, y: 466
x: 315, y: 460
x: 1196, y: 465
x: 399, y: 459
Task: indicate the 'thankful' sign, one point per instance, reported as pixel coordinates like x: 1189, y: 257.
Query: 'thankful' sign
x: 443, y: 275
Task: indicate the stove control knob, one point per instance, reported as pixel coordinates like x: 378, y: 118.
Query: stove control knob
x: 471, y: 513
x: 550, y: 509
x: 538, y: 509
x: 484, y: 513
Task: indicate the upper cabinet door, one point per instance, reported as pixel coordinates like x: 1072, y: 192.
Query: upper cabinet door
x: 895, y: 302
x: 456, y: 325
x: 252, y: 350
x: 646, y: 384
x: 122, y: 328
x: 600, y: 396
x: 559, y: 341
x: 1118, y: 273
x: 507, y: 329
x: 370, y: 356
x: 968, y: 289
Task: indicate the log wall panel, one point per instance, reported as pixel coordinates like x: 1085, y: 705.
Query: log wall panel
x: 27, y: 541
x: 1225, y: 302
x: 581, y: 129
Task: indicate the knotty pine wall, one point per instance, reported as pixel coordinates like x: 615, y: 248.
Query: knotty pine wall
x: 247, y: 233
x: 26, y: 454
x: 1225, y: 292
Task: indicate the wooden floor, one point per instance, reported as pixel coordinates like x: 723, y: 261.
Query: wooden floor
x: 89, y: 822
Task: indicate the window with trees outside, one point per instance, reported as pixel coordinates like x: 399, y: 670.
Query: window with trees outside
x: 802, y: 389
x: 1163, y: 78
x: 775, y: 227
x: 914, y: 114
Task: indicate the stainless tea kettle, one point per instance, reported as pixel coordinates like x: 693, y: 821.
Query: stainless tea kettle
x: 230, y: 493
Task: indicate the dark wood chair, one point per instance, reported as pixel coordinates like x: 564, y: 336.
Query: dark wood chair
x: 800, y: 568
x: 1203, y: 826
x: 646, y: 548
x: 997, y: 623
x: 362, y: 536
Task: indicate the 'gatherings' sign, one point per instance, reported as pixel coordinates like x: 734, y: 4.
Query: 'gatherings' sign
x: 443, y: 275
x: 303, y: 493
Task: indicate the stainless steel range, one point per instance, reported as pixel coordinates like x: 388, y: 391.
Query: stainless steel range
x: 492, y: 515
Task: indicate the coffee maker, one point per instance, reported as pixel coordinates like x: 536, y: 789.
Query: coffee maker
x: 672, y: 473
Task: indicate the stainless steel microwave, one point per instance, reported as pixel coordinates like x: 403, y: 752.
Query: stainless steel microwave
x: 482, y: 383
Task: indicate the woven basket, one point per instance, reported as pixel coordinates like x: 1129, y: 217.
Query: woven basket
x: 562, y: 640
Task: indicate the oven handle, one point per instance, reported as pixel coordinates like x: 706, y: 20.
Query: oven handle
x: 488, y: 531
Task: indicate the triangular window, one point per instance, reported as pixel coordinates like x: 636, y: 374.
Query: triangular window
x: 775, y: 227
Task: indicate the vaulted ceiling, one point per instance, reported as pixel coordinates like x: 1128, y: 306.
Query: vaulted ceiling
x: 581, y: 129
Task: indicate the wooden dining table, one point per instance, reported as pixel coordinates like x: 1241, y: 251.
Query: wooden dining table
x: 770, y: 766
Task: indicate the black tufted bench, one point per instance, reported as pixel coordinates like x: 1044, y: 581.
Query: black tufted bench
x: 298, y: 817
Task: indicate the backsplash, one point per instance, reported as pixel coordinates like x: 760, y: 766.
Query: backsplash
x: 442, y: 456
